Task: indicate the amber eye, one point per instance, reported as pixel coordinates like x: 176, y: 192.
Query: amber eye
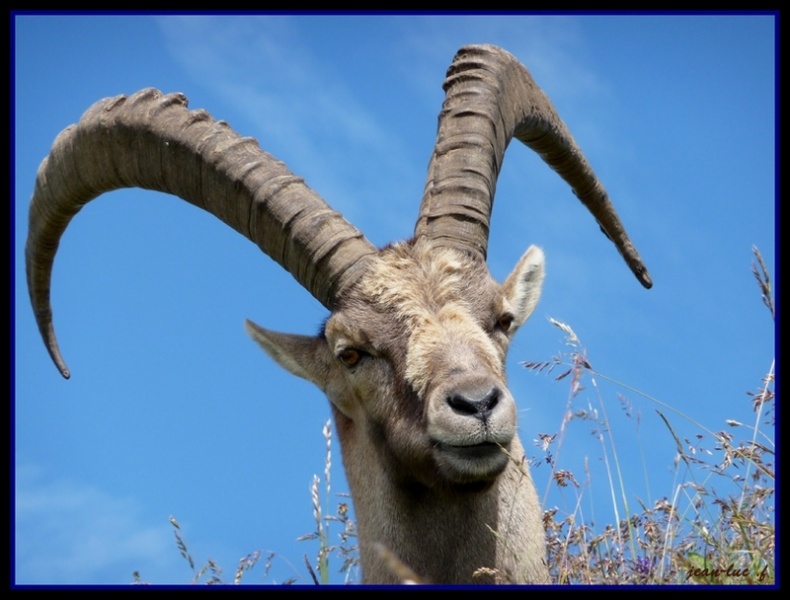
x: 350, y: 357
x: 505, y: 322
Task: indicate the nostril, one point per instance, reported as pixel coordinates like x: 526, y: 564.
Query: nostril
x: 490, y: 400
x: 461, y: 404
x: 474, y: 406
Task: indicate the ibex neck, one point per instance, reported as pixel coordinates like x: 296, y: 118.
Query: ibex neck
x: 444, y: 535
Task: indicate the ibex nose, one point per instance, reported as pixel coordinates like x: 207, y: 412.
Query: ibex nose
x: 479, y: 407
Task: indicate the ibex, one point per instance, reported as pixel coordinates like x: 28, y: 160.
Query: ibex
x: 412, y: 356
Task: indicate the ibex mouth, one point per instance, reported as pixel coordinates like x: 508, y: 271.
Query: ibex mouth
x: 476, y: 451
x: 476, y: 462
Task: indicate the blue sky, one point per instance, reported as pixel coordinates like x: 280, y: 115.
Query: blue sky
x: 172, y: 410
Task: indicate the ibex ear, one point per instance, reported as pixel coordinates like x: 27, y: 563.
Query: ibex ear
x: 302, y: 355
x: 522, y: 287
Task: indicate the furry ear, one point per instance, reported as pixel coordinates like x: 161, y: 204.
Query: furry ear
x: 302, y: 355
x: 522, y: 287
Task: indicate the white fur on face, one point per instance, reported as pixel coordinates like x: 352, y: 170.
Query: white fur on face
x: 436, y: 292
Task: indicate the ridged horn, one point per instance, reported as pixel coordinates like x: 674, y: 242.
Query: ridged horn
x: 490, y: 99
x: 150, y: 140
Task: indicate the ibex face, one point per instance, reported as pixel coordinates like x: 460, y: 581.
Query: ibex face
x: 414, y: 357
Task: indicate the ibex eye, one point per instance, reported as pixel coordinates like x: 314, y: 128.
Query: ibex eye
x: 505, y: 322
x: 350, y: 357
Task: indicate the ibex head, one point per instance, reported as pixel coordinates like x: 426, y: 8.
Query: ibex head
x: 412, y: 357
x: 414, y: 354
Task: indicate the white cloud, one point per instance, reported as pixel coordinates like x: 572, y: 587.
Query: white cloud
x: 298, y: 106
x: 73, y: 532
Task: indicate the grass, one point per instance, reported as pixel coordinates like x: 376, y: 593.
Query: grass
x: 694, y: 534
x: 345, y: 550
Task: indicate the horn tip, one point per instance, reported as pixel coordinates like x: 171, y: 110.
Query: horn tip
x: 644, y: 278
x: 61, y: 365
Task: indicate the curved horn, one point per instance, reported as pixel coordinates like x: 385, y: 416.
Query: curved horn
x: 490, y: 99
x: 152, y: 141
